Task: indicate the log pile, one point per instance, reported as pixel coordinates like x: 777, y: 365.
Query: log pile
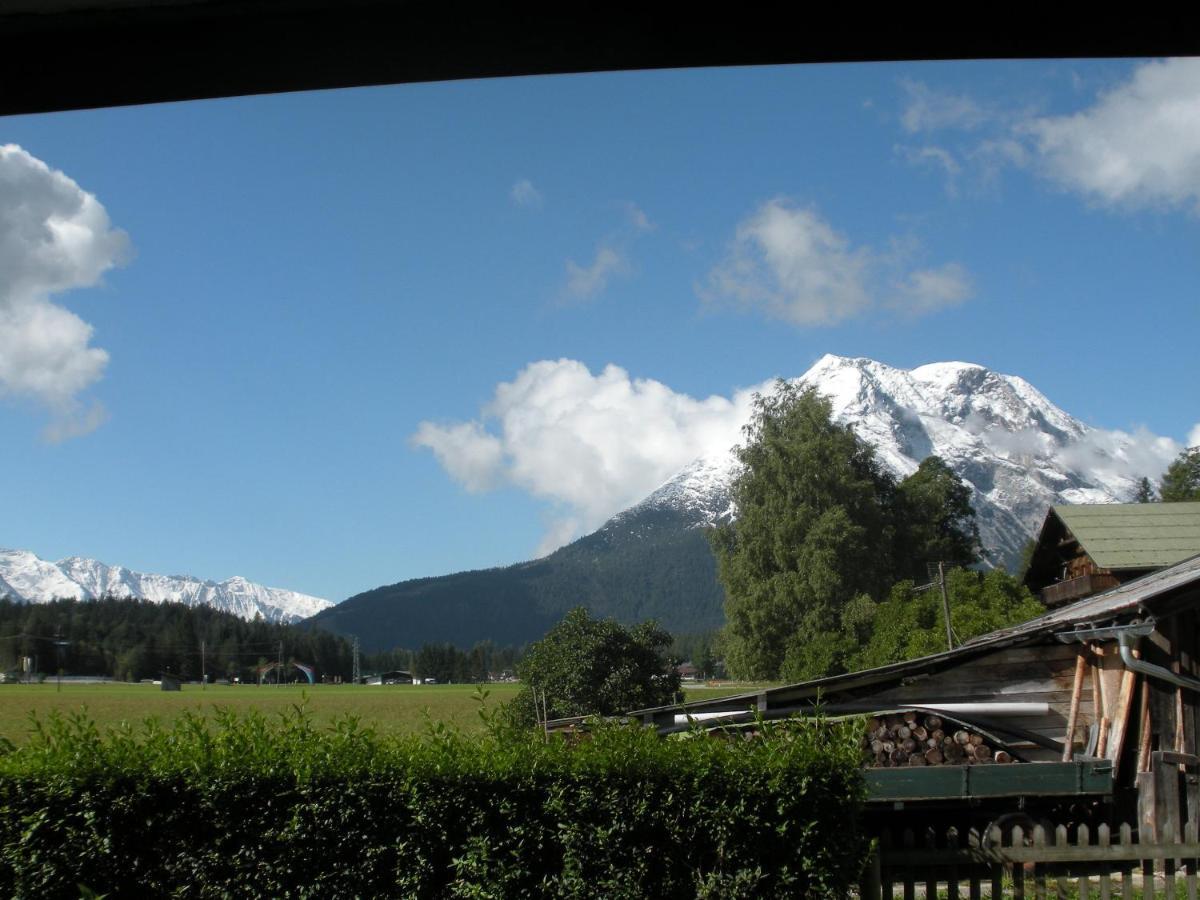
x: 913, y: 739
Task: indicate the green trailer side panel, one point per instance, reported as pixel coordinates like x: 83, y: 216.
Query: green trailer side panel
x: 912, y: 783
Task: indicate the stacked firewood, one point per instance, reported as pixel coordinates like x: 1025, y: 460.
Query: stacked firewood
x: 912, y: 739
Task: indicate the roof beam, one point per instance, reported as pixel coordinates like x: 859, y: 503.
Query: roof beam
x: 74, y: 54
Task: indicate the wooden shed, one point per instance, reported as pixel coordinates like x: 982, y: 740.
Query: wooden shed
x: 1095, y: 698
x: 1089, y: 548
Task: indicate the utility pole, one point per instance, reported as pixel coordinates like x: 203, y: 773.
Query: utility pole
x: 279, y: 676
x: 59, y: 643
x: 203, y: 669
x: 945, y: 604
x: 357, y: 670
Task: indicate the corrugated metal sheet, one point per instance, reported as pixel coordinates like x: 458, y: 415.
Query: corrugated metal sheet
x: 1135, y: 535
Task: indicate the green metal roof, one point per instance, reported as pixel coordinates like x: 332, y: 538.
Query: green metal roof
x: 1135, y: 535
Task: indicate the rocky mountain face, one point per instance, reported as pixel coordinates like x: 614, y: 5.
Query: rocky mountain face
x: 1018, y: 452
x: 25, y: 577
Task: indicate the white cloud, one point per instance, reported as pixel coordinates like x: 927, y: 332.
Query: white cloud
x: 474, y: 458
x: 1138, y: 145
x: 585, y: 282
x: 592, y: 445
x: 523, y: 193
x: 790, y: 264
x: 54, y: 236
x: 1108, y: 455
x: 926, y: 109
x: 927, y: 290
x: 1193, y: 438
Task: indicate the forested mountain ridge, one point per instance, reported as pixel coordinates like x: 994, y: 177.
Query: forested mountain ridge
x: 645, y: 563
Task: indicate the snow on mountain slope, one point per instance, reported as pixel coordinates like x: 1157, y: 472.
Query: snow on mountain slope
x: 1018, y: 451
x: 25, y: 577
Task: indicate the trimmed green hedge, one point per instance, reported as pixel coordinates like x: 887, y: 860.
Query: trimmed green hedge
x: 249, y: 807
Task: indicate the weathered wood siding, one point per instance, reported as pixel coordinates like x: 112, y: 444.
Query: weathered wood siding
x: 1042, y: 674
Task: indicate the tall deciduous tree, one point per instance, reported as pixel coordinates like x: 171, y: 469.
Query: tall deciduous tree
x: 812, y: 531
x: 1181, y: 481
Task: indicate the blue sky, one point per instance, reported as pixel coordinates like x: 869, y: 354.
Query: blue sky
x: 333, y: 340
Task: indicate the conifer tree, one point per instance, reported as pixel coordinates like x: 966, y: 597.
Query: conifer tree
x: 1181, y: 481
x: 1145, y: 492
x: 936, y: 522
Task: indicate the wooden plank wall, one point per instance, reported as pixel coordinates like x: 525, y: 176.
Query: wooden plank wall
x: 1043, y: 674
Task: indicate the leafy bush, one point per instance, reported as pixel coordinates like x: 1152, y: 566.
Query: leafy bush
x: 585, y: 666
x: 248, y: 807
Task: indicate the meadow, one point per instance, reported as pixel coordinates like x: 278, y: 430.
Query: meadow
x: 390, y: 709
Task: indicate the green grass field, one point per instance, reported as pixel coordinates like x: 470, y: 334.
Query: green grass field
x: 390, y: 708
x: 393, y: 709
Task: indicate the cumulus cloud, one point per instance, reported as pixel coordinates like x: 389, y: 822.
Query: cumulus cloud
x: 474, y: 458
x: 523, y: 193
x: 54, y: 236
x: 1137, y: 145
x: 927, y: 109
x: 585, y: 282
x: 790, y: 264
x: 590, y: 444
x: 1193, y: 438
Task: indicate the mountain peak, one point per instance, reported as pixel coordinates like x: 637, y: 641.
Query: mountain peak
x: 25, y: 577
x: 1018, y: 452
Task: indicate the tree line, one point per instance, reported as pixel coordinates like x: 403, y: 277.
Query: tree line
x: 131, y: 639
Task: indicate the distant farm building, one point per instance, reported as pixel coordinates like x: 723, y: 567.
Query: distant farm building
x: 396, y: 676
x: 171, y: 682
x: 1085, y: 549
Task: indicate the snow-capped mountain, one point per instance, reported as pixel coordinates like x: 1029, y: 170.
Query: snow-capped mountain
x: 1018, y: 451
x: 25, y: 577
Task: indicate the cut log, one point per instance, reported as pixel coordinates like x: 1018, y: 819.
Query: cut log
x: 962, y: 738
x: 933, y: 723
x: 934, y: 757
x: 1003, y: 756
x: 916, y: 759
x: 903, y: 732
